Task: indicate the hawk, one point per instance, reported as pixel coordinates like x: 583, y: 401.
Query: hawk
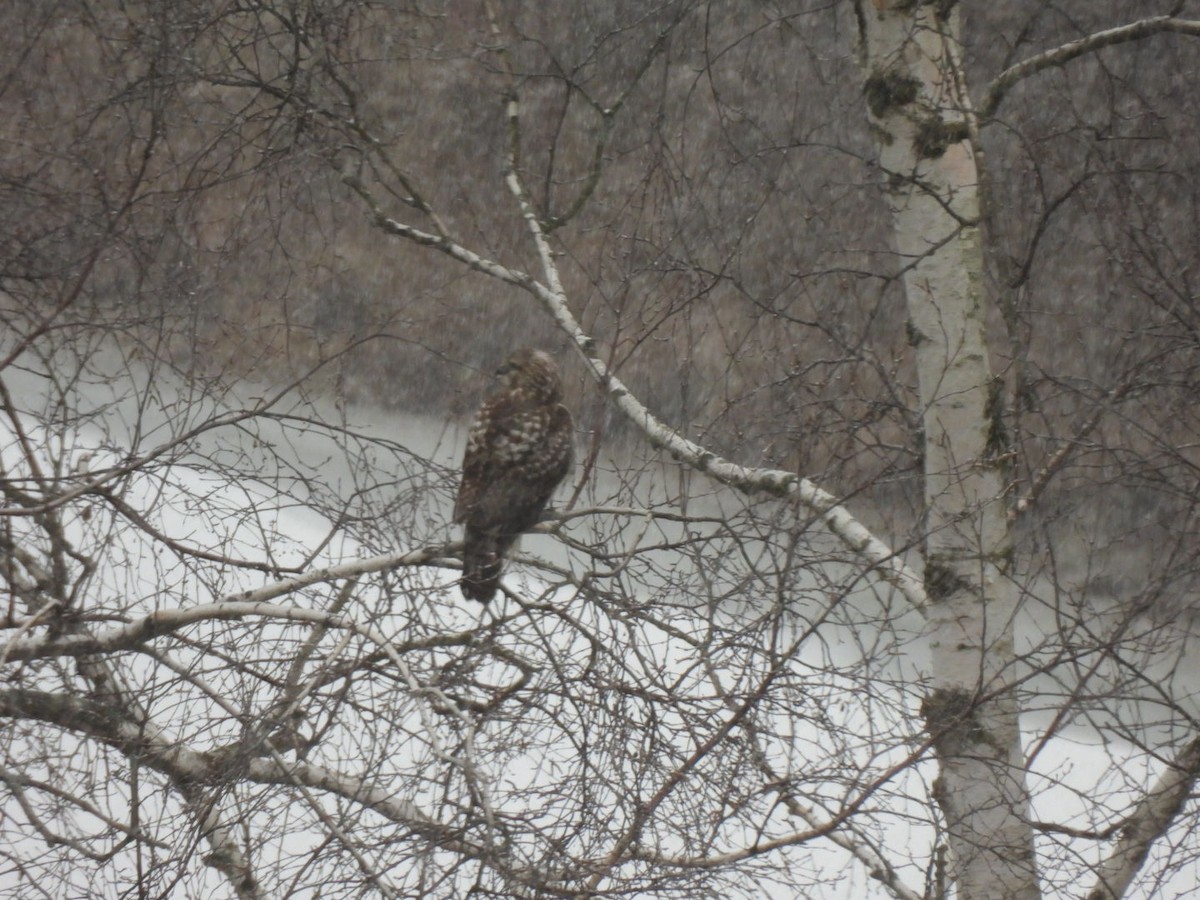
x: 518, y: 450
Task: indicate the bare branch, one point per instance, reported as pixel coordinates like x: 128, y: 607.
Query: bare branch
x: 237, y: 606
x: 1060, y: 55
x: 1148, y: 823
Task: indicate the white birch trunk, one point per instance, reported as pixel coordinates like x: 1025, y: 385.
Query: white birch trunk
x: 918, y: 109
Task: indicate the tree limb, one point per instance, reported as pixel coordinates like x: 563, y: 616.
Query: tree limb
x: 240, y: 605
x: 1148, y: 823
x: 750, y: 480
x: 186, y: 766
x: 1067, y: 52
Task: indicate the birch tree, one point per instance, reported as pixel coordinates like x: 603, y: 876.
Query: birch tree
x: 837, y: 604
x: 919, y: 101
x: 928, y: 135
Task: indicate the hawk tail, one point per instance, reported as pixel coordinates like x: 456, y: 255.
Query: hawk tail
x: 483, y: 558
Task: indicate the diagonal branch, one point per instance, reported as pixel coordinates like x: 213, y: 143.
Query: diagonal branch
x: 1065, y: 53
x: 1149, y: 821
x: 775, y: 482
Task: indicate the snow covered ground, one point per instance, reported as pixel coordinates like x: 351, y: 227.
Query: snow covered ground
x: 215, y: 494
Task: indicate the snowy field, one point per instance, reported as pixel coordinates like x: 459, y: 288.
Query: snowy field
x: 176, y: 501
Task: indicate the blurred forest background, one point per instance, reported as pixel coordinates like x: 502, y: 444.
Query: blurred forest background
x: 732, y: 255
x: 733, y: 235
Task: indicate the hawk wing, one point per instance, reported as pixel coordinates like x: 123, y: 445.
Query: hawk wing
x: 476, y: 463
x: 506, y: 446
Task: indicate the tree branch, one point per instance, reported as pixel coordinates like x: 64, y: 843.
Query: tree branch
x: 1148, y: 823
x: 186, y: 766
x: 1067, y: 52
x: 97, y: 721
x: 240, y: 605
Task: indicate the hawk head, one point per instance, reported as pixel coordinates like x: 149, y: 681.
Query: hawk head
x: 533, y: 374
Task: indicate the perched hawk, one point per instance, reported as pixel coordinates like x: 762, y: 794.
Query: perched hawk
x: 518, y: 450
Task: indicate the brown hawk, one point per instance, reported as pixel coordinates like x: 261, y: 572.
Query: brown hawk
x: 518, y: 450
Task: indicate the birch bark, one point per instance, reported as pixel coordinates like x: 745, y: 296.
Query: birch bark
x: 920, y: 114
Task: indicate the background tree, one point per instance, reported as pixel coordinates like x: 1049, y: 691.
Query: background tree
x: 882, y: 571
